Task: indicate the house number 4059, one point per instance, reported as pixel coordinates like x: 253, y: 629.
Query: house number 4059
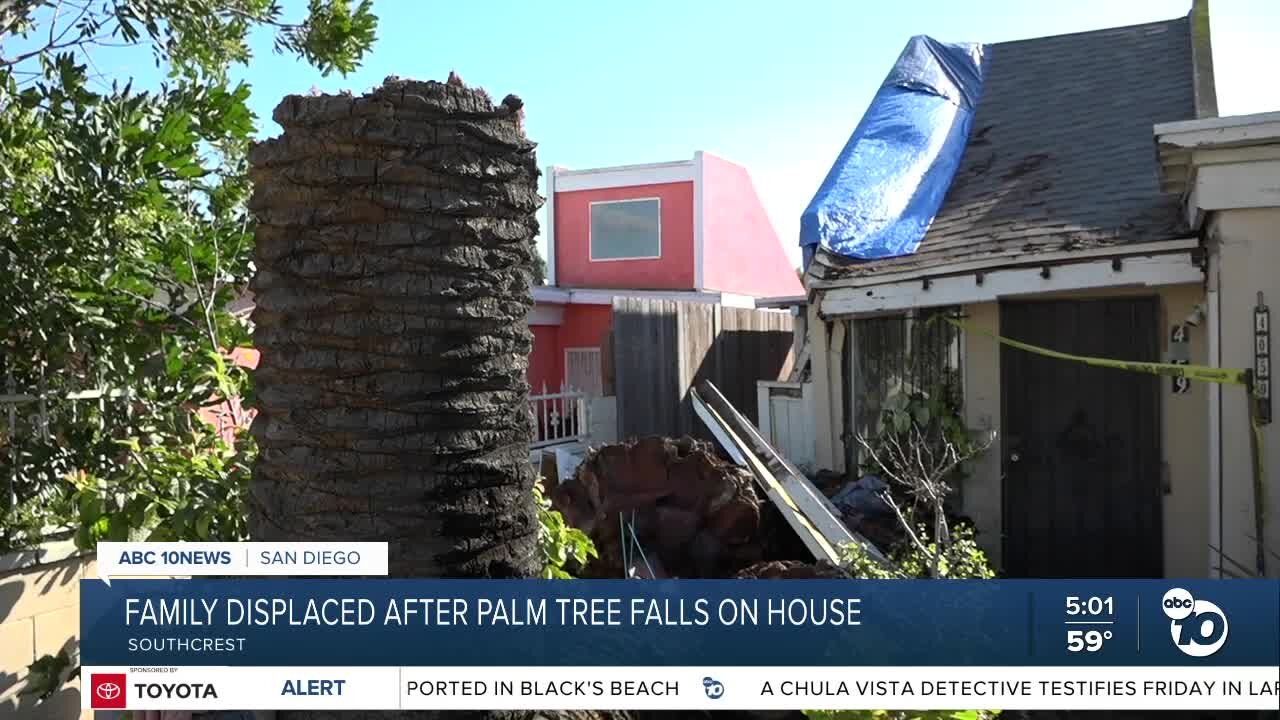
x: 1262, y: 359
x: 1180, y: 354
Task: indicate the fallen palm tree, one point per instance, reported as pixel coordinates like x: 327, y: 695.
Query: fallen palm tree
x: 663, y: 507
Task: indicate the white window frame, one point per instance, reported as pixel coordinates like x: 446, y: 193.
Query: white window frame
x: 590, y: 244
x: 599, y: 353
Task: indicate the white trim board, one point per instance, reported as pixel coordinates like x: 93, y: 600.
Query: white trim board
x: 624, y: 176
x: 1218, y: 131
x: 551, y: 224
x: 602, y: 296
x: 1148, y: 271
x: 698, y: 219
x: 1005, y: 258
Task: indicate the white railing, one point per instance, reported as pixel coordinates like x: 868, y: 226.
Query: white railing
x: 560, y: 417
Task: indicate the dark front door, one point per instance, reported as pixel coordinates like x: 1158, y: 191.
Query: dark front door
x: 1082, y: 487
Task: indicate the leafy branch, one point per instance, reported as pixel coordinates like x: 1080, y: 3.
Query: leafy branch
x: 563, y: 547
x: 126, y: 237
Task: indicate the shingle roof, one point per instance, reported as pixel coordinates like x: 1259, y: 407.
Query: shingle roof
x: 1060, y: 156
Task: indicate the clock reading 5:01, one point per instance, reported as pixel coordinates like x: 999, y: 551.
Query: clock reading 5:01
x: 1093, y: 605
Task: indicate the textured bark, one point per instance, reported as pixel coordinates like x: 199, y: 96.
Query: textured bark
x: 394, y: 250
x: 394, y: 246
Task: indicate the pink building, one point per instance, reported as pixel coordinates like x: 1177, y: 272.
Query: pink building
x: 691, y: 230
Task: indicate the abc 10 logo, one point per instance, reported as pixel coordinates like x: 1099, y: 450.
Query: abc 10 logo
x: 1199, y: 627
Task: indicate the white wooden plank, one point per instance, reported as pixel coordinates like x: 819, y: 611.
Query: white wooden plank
x: 764, y: 410
x: 994, y: 260
x: 823, y: 430
x: 1243, y: 185
x: 1148, y: 271
x: 628, y: 176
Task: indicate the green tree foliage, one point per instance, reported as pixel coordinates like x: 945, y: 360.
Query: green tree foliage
x: 125, y: 239
x: 563, y: 547
x: 960, y: 559
x: 539, y: 269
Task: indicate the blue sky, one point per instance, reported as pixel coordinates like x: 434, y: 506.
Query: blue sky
x: 775, y: 86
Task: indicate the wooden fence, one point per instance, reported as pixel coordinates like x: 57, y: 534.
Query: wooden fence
x: 662, y: 348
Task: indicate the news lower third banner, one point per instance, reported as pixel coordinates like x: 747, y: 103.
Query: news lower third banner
x: 373, y: 644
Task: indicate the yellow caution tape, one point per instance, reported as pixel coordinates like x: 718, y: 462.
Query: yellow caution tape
x: 1203, y: 373
x: 1225, y: 376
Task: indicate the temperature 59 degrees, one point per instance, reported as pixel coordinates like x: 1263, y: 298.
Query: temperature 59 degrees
x: 1086, y: 640
x: 1087, y: 622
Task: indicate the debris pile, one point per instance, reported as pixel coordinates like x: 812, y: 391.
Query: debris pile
x: 793, y: 570
x: 659, y: 507
x: 664, y: 507
x: 862, y: 508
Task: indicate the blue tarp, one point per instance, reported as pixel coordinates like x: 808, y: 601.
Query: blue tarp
x: 889, y: 181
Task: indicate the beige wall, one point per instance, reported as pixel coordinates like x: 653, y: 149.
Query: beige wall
x: 981, y: 363
x: 1184, y: 437
x: 1245, y: 253
x: 39, y: 615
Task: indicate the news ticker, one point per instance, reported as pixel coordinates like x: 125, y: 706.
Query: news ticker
x: 370, y: 644
x: 681, y: 688
x: 712, y: 623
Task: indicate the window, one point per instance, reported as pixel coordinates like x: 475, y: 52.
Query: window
x: 902, y: 354
x: 582, y: 370
x: 626, y: 229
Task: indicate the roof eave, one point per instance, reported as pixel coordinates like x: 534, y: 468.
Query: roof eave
x: 1178, y: 142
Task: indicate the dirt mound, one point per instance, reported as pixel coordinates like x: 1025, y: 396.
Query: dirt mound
x: 792, y: 570
x: 692, y: 513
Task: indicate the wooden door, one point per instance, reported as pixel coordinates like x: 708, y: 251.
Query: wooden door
x: 1082, y: 487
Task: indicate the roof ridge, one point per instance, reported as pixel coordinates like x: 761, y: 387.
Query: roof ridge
x: 1169, y: 21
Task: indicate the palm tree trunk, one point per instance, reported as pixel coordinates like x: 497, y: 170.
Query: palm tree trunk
x: 394, y: 246
x: 394, y: 254
x: 394, y: 249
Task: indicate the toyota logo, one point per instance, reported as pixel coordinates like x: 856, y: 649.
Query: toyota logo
x: 107, y: 691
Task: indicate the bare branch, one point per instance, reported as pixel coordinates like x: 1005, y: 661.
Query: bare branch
x: 902, y: 520
x: 208, y: 318
x: 157, y: 306
x: 866, y: 444
x: 53, y: 24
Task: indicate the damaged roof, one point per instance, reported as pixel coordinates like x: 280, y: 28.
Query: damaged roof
x: 1060, y: 156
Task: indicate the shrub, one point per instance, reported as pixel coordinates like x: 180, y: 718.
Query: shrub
x: 563, y: 548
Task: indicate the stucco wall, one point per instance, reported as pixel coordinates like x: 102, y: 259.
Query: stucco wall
x: 741, y: 251
x: 585, y: 325
x: 40, y: 615
x: 1184, y: 436
x: 674, y: 270
x: 1247, y: 258
x: 546, y: 361
x: 582, y: 326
